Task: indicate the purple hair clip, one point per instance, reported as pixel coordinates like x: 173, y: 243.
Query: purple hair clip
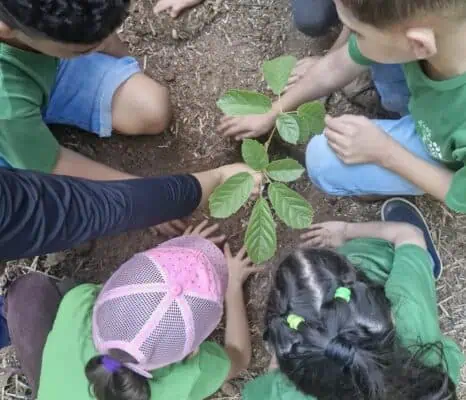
x: 110, y: 364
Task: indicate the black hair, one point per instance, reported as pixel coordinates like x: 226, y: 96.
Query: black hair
x: 123, y: 384
x: 67, y: 21
x: 345, y: 350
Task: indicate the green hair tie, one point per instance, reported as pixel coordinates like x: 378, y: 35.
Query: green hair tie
x: 294, y: 321
x: 343, y: 293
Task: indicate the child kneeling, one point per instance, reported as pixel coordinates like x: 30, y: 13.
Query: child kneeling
x: 142, y: 335
x: 360, y: 322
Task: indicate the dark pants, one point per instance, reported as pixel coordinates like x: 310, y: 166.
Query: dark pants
x: 314, y: 17
x: 31, y: 307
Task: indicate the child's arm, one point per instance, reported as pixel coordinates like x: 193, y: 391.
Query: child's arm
x: 327, y: 75
x: 335, y: 233
x: 237, y: 338
x: 113, y: 46
x: 74, y: 164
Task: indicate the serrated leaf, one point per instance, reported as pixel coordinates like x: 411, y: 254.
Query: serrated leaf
x: 292, y: 208
x: 304, y: 131
x: 244, y: 102
x: 278, y: 71
x: 288, y: 128
x: 314, y: 115
x: 287, y: 170
x: 229, y: 197
x: 254, y: 154
x: 261, y: 236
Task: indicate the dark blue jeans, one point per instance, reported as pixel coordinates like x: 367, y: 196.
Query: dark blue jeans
x: 4, y: 335
x: 314, y: 17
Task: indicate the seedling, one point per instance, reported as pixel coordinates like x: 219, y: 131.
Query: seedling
x: 293, y: 127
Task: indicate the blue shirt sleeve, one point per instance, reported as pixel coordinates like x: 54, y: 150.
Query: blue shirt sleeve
x: 42, y: 213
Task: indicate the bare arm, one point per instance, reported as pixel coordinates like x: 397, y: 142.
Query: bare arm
x: 395, y: 232
x: 113, y: 46
x: 332, y: 72
x: 74, y: 164
x: 435, y: 180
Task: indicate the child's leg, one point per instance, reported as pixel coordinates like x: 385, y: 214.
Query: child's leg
x: 100, y: 93
x: 31, y: 306
x: 334, y: 177
x: 314, y: 17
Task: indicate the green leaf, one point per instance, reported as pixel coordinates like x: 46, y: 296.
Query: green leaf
x: 244, y: 102
x: 304, y: 131
x: 288, y: 128
x: 229, y: 197
x: 287, y: 170
x: 314, y: 114
x: 278, y: 71
x: 292, y: 208
x: 261, y: 236
x: 254, y: 154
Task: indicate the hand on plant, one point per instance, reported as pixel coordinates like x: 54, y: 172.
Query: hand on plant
x: 239, y: 267
x: 247, y: 126
x: 328, y: 234
x: 357, y: 140
x: 171, y: 228
x: 227, y: 171
x: 205, y: 231
x: 174, y: 7
x: 301, y: 70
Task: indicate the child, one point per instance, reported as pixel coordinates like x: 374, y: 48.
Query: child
x: 424, y: 151
x: 360, y: 322
x: 142, y: 336
x: 61, y: 62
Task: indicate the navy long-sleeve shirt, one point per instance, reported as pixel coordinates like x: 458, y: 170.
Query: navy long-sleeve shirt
x: 42, y: 213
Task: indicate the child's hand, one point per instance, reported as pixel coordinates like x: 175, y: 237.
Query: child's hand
x: 174, y: 7
x: 248, y: 126
x: 301, y: 70
x: 227, y: 171
x: 357, y: 140
x: 239, y: 268
x: 328, y: 234
x: 205, y: 231
x: 171, y: 228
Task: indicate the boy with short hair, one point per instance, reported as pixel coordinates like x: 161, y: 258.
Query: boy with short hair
x: 425, y: 150
x: 62, y: 62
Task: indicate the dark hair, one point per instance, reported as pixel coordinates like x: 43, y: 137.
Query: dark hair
x: 122, y: 384
x: 345, y: 350
x: 386, y: 12
x: 68, y: 21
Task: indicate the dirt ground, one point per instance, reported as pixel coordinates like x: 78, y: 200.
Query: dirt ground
x: 217, y: 46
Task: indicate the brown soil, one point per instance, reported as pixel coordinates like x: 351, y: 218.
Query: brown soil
x: 221, y: 45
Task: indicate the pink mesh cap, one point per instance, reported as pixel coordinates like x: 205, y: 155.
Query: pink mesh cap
x: 162, y: 304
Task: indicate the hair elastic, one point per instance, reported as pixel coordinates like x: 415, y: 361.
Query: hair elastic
x: 294, y: 321
x: 343, y: 293
x: 110, y: 364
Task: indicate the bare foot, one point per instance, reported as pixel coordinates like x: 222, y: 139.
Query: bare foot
x: 174, y: 7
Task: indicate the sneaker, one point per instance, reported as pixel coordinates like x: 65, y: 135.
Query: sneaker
x: 401, y: 210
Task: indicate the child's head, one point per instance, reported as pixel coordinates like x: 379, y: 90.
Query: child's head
x: 62, y: 28
x: 398, y: 31
x: 155, y: 310
x: 334, y: 337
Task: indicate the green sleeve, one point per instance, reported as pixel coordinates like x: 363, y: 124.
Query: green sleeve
x: 456, y: 196
x: 411, y: 291
x: 272, y: 386
x: 355, y: 53
x: 25, y: 140
x: 215, y: 365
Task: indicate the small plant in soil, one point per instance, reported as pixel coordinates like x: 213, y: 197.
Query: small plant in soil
x: 293, y: 127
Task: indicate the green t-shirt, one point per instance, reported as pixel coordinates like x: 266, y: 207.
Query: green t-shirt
x: 69, y: 347
x: 26, y: 80
x: 406, y: 273
x: 437, y: 107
